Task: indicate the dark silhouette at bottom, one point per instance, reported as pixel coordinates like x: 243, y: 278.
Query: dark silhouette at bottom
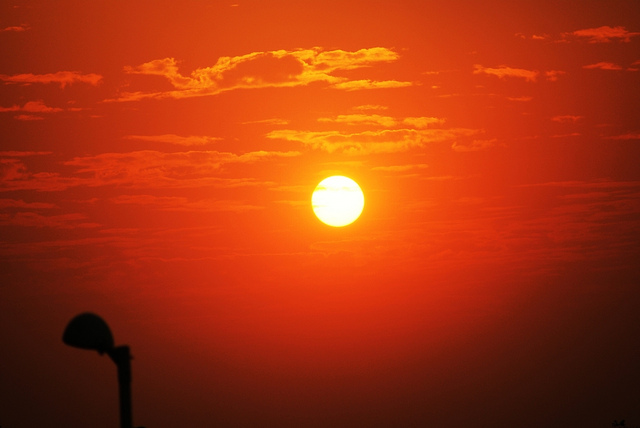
x: 89, y: 331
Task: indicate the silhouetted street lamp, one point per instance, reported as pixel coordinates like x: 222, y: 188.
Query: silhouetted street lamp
x: 89, y: 331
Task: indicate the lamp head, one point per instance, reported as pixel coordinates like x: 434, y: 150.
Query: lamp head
x: 88, y: 331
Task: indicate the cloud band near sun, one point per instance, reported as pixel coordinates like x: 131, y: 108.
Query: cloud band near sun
x: 136, y: 169
x: 366, y: 142
x: 375, y: 134
x: 605, y: 34
x: 63, y: 78
x: 279, y: 68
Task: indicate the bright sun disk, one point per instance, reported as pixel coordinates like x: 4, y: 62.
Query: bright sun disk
x: 337, y: 201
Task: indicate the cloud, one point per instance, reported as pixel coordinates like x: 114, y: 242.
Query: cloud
x: 603, y: 66
x: 400, y: 168
x: 596, y: 184
x: 62, y: 77
x: 32, y: 107
x: 571, y: 134
x: 388, y: 134
x: 422, y: 122
x: 521, y: 99
x: 15, y: 28
x: 272, y: 121
x: 355, y: 85
x: 552, y: 75
x: 612, y: 66
x: 361, y: 119
x: 443, y: 178
x: 12, y: 168
x: 384, y: 121
x: 586, y: 215
x: 539, y: 36
x: 31, y: 219
x: 533, y: 36
x: 279, y: 68
x: 476, y: 145
x: 17, y: 212
x: 628, y: 136
x: 504, y: 71
x: 27, y: 117
x: 567, y: 118
x: 379, y: 141
x: 372, y: 107
x: 17, y: 154
x: 179, y: 203
x: 138, y: 169
x: 149, y: 168
x: 14, y: 175
x: 19, y: 203
x: 175, y: 139
x: 605, y: 34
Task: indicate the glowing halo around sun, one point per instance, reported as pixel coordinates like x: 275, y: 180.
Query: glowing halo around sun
x: 337, y: 201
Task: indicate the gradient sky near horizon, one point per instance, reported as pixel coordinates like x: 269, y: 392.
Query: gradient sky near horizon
x: 157, y: 162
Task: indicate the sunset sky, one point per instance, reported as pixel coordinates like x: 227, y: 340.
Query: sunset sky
x: 157, y: 161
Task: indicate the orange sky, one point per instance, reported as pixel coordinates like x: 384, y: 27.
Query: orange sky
x: 157, y: 163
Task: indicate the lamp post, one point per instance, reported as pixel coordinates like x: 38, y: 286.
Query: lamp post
x: 89, y: 331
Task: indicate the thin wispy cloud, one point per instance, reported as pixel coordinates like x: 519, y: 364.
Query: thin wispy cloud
x: 384, y: 134
x: 32, y: 107
x: 361, y: 119
x: 33, y: 110
x: 603, y: 66
x: 367, y: 142
x: 179, y: 203
x: 19, y: 154
x: 423, y: 121
x: 19, y: 203
x: 605, y: 34
x: 553, y: 75
x: 149, y: 168
x: 355, y: 85
x: 279, y: 68
x: 567, y: 118
x: 28, y: 117
x: 192, y: 140
x: 533, y: 36
x: 400, y: 168
x: 570, y: 134
x: 627, y: 136
x: 596, y: 184
x: 34, y: 219
x: 137, y: 169
x: 15, y: 28
x: 272, y: 121
x: 384, y: 121
x: 475, y: 145
x: 63, y: 78
x: 504, y: 71
x: 371, y: 107
x: 15, y: 175
x: 523, y: 98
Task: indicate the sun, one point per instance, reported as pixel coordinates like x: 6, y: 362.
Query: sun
x: 337, y: 201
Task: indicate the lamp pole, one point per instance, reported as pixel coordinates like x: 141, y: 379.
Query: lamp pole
x: 122, y: 357
x: 89, y: 331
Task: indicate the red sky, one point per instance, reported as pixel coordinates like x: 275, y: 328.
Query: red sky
x: 157, y: 162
